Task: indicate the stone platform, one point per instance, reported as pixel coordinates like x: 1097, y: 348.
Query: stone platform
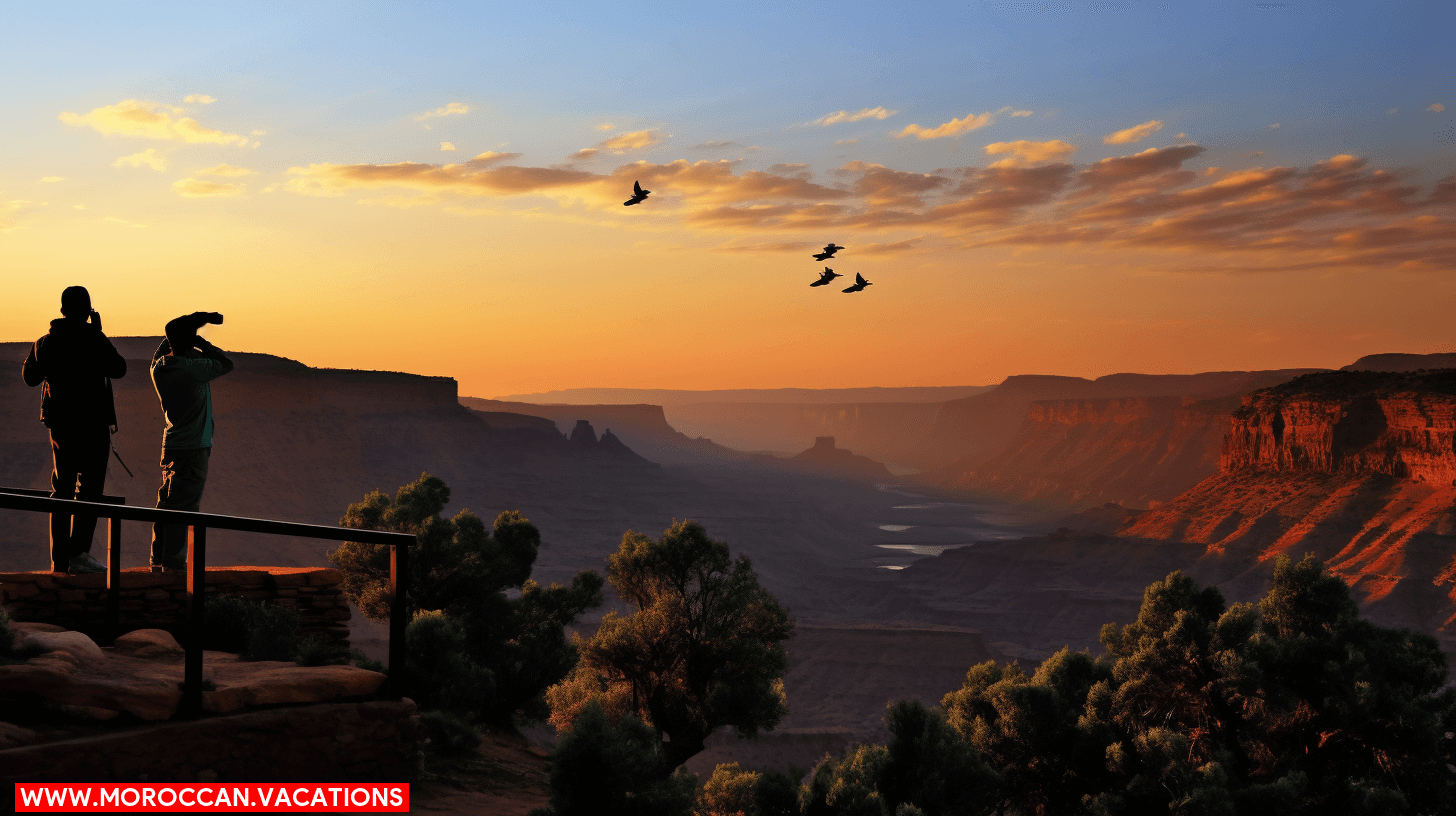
x: 157, y: 600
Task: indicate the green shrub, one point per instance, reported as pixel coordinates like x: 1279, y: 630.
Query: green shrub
x: 442, y: 672
x: 226, y: 621
x: 602, y: 769
x: 450, y: 733
x: 315, y: 650
x: 250, y: 629
x: 367, y: 663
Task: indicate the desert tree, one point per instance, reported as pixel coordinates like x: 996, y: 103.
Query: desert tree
x: 702, y: 650
x: 508, y: 650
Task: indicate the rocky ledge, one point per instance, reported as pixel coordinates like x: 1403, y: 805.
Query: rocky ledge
x: 141, y: 676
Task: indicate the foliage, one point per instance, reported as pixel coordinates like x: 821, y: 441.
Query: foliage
x: 703, y: 650
x: 442, y: 669
x: 509, y: 650
x: 314, y: 650
x: 1291, y: 706
x: 253, y: 630
x: 729, y: 792
x: 450, y: 733
x: 605, y: 768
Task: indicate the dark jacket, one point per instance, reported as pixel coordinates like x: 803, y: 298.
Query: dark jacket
x: 77, y: 363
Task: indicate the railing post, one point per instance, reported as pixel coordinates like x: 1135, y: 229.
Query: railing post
x: 398, y: 618
x: 113, y: 576
x: 196, y: 603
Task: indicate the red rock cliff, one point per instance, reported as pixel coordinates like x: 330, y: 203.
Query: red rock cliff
x: 1397, y: 424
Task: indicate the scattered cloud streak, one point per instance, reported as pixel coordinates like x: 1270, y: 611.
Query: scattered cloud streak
x: 1436, y: 107
x: 1134, y: 134
x: 1336, y: 211
x: 199, y: 188
x: 636, y: 140
x: 448, y: 146
x: 149, y: 157
x: 879, y: 113
x: 152, y: 120
x: 1023, y: 152
x: 198, y: 99
x: 226, y: 170
x: 954, y: 127
x: 452, y: 109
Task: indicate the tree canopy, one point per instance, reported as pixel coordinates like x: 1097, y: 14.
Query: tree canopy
x: 702, y: 650
x: 477, y: 650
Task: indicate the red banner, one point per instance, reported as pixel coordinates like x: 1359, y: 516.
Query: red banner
x: 213, y: 797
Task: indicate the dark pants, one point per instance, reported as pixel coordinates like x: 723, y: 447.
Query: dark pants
x: 184, y: 473
x: 80, y: 455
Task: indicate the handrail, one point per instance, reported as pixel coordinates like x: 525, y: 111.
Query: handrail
x: 113, y: 555
x: 197, y: 524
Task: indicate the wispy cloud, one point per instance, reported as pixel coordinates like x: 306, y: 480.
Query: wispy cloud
x: 198, y: 188
x: 713, y: 145
x: 452, y: 109
x: 198, y: 99
x: 149, y: 157
x: 447, y: 146
x: 1023, y: 152
x: 12, y: 212
x: 1134, y: 134
x: 52, y: 179
x: 1276, y: 126
x: 153, y: 120
x: 880, y: 113
x: 1436, y: 107
x: 605, y: 126
x: 636, y: 140
x: 226, y: 170
x: 846, y: 141
x: 954, y: 127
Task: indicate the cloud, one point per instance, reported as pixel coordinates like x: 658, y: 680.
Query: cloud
x: 605, y: 126
x: 198, y: 99
x: 1276, y: 126
x: 1436, y: 107
x: 227, y: 170
x: 954, y: 127
x: 11, y: 213
x: 713, y: 145
x: 835, y: 118
x: 1024, y: 152
x: 256, y: 133
x: 583, y: 154
x: 1338, y: 211
x: 1134, y: 134
x: 132, y: 117
x: 1018, y: 113
x: 448, y: 146
x: 636, y: 140
x: 148, y: 157
x: 197, y: 188
x: 452, y: 109
x: 847, y: 141
x: 1392, y: 111
x: 52, y: 179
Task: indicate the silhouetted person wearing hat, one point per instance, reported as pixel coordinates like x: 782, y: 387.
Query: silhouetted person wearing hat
x: 76, y: 362
x: 182, y: 368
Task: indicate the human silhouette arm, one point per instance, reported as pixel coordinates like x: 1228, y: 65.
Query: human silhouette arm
x: 31, y: 369
x: 113, y: 365
x: 217, y: 363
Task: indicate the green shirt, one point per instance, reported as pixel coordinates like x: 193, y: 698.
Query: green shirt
x: 182, y: 385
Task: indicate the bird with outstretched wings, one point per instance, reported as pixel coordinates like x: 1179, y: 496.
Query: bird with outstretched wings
x: 827, y: 276
x: 829, y: 250
x: 859, y: 283
x: 639, y: 195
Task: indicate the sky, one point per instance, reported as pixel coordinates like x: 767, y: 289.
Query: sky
x: 1076, y: 188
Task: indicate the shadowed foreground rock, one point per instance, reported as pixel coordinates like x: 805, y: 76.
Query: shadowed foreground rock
x: 141, y: 674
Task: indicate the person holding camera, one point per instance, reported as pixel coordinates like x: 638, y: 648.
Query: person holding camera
x: 182, y: 368
x: 77, y: 363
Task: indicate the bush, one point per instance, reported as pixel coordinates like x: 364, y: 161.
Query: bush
x: 507, y: 649
x: 602, y: 769
x: 250, y: 629
x: 450, y: 734
x: 315, y: 650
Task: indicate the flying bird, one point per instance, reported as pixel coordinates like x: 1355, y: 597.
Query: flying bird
x: 639, y: 195
x: 859, y: 283
x: 827, y: 276
x: 829, y: 250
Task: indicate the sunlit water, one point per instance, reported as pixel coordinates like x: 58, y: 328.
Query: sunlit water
x: 931, y: 526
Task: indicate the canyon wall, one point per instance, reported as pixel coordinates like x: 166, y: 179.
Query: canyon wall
x: 1084, y: 453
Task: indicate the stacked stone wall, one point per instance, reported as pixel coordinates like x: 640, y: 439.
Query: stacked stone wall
x: 158, y: 600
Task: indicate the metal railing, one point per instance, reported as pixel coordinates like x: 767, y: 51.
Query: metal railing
x: 198, y: 524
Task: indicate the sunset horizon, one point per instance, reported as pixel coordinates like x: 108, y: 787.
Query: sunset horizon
x: 1076, y: 191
